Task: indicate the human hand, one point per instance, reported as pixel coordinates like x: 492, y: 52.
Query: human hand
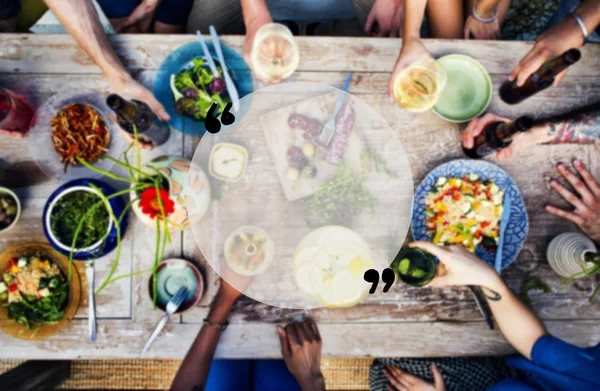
x: 233, y: 284
x: 127, y: 87
x: 412, y: 50
x: 552, y: 43
x: 587, y: 205
x: 460, y: 267
x: 478, y: 30
x: 404, y: 381
x: 301, y: 350
x: 521, y: 141
x: 389, y: 16
x: 141, y: 17
x: 251, y: 30
x: 13, y: 133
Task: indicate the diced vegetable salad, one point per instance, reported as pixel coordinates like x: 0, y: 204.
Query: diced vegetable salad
x: 35, y: 290
x: 465, y: 211
x: 196, y: 88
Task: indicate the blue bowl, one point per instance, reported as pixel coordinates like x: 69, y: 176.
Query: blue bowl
x: 104, y: 246
x: 518, y: 222
x: 181, y: 59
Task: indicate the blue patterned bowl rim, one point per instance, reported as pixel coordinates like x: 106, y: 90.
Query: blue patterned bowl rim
x: 518, y: 224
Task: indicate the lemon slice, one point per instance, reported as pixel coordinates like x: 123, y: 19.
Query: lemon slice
x: 348, y: 236
x: 357, y: 267
x: 313, y: 256
x: 327, y: 293
x: 346, y: 288
x: 309, y: 279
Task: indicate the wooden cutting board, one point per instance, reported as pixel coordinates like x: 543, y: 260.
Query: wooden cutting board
x: 280, y: 137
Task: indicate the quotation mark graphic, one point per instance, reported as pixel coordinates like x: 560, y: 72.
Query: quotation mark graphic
x: 212, y: 124
x: 387, y: 276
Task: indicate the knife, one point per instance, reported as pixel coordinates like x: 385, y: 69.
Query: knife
x: 233, y: 93
x: 503, y: 223
x: 481, y: 306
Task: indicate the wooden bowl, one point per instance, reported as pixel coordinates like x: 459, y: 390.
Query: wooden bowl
x: 46, y: 251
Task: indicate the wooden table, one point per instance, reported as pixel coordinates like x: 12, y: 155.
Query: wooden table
x: 403, y: 322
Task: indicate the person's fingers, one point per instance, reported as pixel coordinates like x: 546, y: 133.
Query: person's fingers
x: 506, y: 152
x: 590, y: 181
x: 564, y: 214
x: 292, y: 334
x: 582, y: 189
x: 393, y: 33
x: 438, y: 380
x: 156, y: 106
x: 467, y: 32
x: 568, y: 196
x: 389, y: 388
x: 405, y: 377
x: 529, y: 67
x: 559, y: 77
x: 431, y: 248
x: 315, y: 330
x: 369, y: 23
x: 307, y: 331
x: 517, y: 70
x: 285, y: 344
x: 302, y: 337
x: 394, y: 380
x: 12, y: 133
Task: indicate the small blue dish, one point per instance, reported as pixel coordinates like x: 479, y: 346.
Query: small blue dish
x: 102, y: 247
x: 518, y: 223
x: 181, y: 59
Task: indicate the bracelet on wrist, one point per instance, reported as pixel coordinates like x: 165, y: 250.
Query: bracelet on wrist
x: 485, y: 20
x: 218, y: 326
x: 581, y: 25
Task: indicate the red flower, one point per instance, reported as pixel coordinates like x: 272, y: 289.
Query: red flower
x: 150, y: 204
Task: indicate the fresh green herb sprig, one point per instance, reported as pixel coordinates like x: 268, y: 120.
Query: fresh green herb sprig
x: 369, y: 157
x: 532, y: 283
x: 340, y: 199
x: 594, y: 259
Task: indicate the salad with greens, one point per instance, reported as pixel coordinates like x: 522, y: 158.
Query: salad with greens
x: 35, y: 290
x: 196, y: 88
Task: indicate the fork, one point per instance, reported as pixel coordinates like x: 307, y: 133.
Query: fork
x: 329, y: 129
x: 172, y: 306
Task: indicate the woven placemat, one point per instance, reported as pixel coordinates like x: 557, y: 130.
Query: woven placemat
x: 340, y: 374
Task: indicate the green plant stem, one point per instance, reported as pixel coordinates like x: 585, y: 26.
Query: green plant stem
x: 154, y: 283
x: 76, y: 235
x: 138, y: 159
x: 127, y: 161
x: 134, y: 274
x: 128, y: 167
x: 104, y: 172
x: 595, y: 293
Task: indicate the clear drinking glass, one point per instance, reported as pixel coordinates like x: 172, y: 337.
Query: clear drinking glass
x: 275, y: 54
x: 15, y: 114
x: 418, y: 87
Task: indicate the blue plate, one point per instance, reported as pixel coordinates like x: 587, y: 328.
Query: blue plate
x: 100, y: 249
x: 181, y: 59
x: 518, y: 223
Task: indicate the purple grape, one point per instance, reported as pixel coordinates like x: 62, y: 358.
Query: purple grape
x: 295, y: 153
x: 217, y: 85
x: 189, y: 92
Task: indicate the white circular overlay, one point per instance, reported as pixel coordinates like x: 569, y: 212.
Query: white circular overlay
x: 307, y: 200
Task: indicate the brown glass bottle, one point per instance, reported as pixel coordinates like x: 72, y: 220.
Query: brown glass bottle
x: 541, y: 79
x: 138, y: 114
x: 496, y: 136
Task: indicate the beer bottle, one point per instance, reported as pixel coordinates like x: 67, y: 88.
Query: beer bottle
x: 541, y: 79
x: 497, y: 135
x: 136, y: 113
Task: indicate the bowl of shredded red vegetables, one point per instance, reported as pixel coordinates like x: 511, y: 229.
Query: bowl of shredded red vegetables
x: 79, y: 131
x: 73, y: 126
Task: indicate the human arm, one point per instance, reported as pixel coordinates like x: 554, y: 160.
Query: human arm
x: 557, y: 40
x: 141, y: 17
x: 519, y: 325
x: 193, y: 373
x: 581, y: 127
x: 412, y: 48
x: 494, y: 10
x: 81, y: 20
x: 388, y: 15
x: 256, y: 14
x: 301, y: 346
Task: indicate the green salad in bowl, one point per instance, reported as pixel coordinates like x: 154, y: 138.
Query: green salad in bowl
x: 195, y: 88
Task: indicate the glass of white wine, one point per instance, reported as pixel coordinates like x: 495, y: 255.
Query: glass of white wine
x: 418, y: 87
x: 275, y: 54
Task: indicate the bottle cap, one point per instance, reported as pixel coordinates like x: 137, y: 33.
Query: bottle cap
x: 524, y: 123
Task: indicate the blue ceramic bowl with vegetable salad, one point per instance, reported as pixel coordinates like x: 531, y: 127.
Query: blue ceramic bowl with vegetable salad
x: 64, y: 211
x: 186, y: 87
